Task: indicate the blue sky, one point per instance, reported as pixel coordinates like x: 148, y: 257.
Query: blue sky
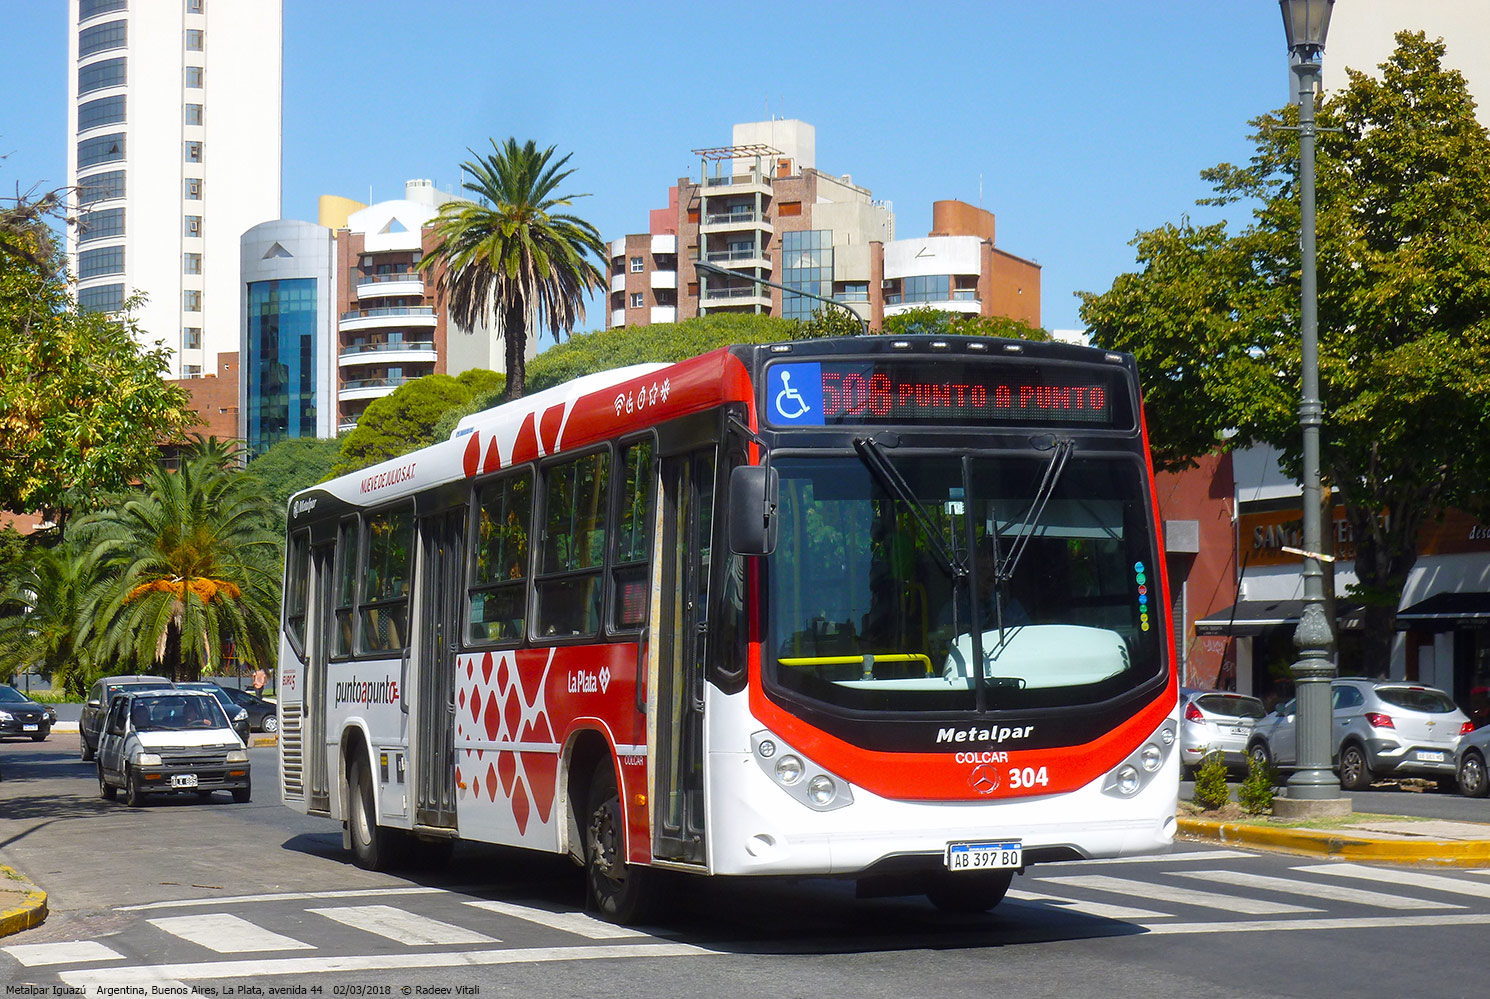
x: 1083, y: 121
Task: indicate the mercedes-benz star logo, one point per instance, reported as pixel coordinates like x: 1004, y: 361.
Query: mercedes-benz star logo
x: 984, y: 779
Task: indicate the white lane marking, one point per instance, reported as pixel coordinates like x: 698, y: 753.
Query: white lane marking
x: 70, y: 952
x: 1160, y: 858
x: 407, y: 961
x: 1289, y: 925
x: 227, y: 933
x: 1314, y: 889
x: 567, y: 922
x: 1182, y: 896
x: 1099, y: 909
x: 283, y: 896
x: 402, y: 927
x: 1434, y: 882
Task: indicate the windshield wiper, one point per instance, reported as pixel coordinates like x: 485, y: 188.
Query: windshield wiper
x: 872, y: 453
x: 1053, y: 470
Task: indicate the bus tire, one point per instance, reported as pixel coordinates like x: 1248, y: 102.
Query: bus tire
x: 373, y: 847
x: 618, y: 891
x: 975, y: 891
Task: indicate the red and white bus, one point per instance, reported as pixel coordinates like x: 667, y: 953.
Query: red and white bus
x: 722, y: 617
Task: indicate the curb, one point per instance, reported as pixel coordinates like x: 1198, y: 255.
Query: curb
x: 32, y: 909
x: 1342, y: 845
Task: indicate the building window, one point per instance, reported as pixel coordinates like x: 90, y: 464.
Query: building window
x: 194, y: 76
x: 100, y: 224
x: 92, y: 8
x: 787, y: 209
x: 194, y: 39
x: 193, y: 114
x: 807, y: 265
x: 193, y: 225
x: 104, y: 111
x: 101, y: 187
x: 854, y: 291
x: 281, y: 343
x: 104, y: 298
x: 194, y: 189
x: 926, y: 288
x: 194, y: 151
x: 102, y: 149
x: 92, y: 263
x: 98, y: 75
x: 636, y: 300
x: 191, y: 338
x: 191, y: 263
x: 191, y: 300
x: 101, y: 38
x: 194, y: 6
x: 636, y: 265
x: 191, y: 371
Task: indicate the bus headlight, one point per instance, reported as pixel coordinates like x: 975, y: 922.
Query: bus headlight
x: 798, y: 776
x: 1127, y: 779
x: 1143, y: 764
x: 1152, y: 757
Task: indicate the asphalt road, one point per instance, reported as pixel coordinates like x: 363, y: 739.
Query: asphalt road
x: 222, y: 896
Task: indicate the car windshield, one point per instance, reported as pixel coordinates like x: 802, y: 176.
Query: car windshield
x: 10, y: 694
x: 176, y: 713
x: 868, y: 611
x: 1425, y: 699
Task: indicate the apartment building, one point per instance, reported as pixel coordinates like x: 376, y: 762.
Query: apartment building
x: 762, y: 210
x: 174, y: 150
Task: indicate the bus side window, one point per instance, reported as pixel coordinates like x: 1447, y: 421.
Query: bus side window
x: 499, y: 574
x: 346, y: 588
x: 385, y: 595
x: 633, y: 552
x: 297, y: 579
x: 574, y: 531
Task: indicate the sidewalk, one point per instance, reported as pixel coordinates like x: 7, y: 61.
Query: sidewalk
x: 1370, y: 839
x: 22, y: 904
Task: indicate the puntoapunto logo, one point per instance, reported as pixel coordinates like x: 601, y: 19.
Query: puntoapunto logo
x: 367, y: 692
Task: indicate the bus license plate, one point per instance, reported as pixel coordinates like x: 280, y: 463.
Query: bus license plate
x: 183, y: 780
x: 985, y: 856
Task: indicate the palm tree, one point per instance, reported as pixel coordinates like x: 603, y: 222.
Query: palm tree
x: 512, y: 257
x: 45, y: 622
x: 193, y: 562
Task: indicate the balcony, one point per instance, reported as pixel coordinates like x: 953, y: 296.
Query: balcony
x: 740, y: 183
x: 736, y: 221
x: 664, y: 313
x: 617, y: 318
x: 664, y: 244
x: 731, y: 298
x: 746, y: 258
x: 389, y: 285
x: 400, y: 316
x: 399, y: 352
x: 971, y: 306
x: 664, y: 279
x: 370, y: 388
x: 618, y: 282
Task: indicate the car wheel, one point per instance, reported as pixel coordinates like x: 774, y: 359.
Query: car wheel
x: 1473, y: 780
x: 620, y: 892
x: 373, y: 847
x: 974, y: 891
x: 242, y: 794
x: 1355, y: 771
x: 1259, y: 752
x: 86, y: 750
x: 106, y: 791
x: 40, y: 736
x: 271, y: 723
x: 134, y: 795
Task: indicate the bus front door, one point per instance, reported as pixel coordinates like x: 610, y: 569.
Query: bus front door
x: 439, y: 638
x: 313, y: 709
x: 687, y: 512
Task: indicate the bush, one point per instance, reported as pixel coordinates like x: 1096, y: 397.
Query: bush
x: 1256, y: 792
x: 1211, y: 790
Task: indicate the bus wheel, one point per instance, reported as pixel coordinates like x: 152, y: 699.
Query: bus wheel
x: 373, y: 847
x: 975, y: 891
x: 619, y: 891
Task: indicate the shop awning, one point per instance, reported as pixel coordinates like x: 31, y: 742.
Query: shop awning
x: 1446, y: 612
x: 1252, y: 617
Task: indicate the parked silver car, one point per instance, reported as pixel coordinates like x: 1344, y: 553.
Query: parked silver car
x: 1216, y: 722
x: 1469, y: 763
x: 1379, y: 728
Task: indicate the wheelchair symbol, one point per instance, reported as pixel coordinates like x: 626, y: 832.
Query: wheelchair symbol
x: 790, y: 395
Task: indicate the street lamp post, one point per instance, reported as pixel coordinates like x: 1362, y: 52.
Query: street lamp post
x: 708, y: 268
x: 1313, y: 788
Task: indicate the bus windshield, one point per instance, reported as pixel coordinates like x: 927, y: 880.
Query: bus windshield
x: 865, y: 612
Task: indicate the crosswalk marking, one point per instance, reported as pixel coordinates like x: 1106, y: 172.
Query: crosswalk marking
x: 1101, y: 910
x: 68, y: 952
x: 1315, y: 889
x: 227, y: 933
x: 1159, y: 858
x: 280, y: 896
x: 404, y: 927
x: 569, y: 922
x: 1435, y: 882
x: 1183, y: 896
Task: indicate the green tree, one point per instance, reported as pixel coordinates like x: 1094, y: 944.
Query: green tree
x: 935, y: 322
x: 407, y: 418
x: 515, y: 257
x: 1404, y: 313
x: 289, y: 466
x: 192, y: 570
x: 45, y: 626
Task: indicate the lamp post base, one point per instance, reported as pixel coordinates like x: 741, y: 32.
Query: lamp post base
x: 1311, y: 808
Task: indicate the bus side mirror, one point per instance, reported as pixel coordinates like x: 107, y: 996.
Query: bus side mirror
x: 754, y: 491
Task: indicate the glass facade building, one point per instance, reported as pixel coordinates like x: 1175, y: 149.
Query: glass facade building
x: 280, y: 364
x: 807, y: 264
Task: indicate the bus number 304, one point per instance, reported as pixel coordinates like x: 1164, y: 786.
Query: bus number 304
x: 1028, y: 777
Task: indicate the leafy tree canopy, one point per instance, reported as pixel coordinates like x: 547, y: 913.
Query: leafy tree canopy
x: 1403, y: 195
x: 935, y: 322
x: 407, y: 418
x: 289, y: 466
